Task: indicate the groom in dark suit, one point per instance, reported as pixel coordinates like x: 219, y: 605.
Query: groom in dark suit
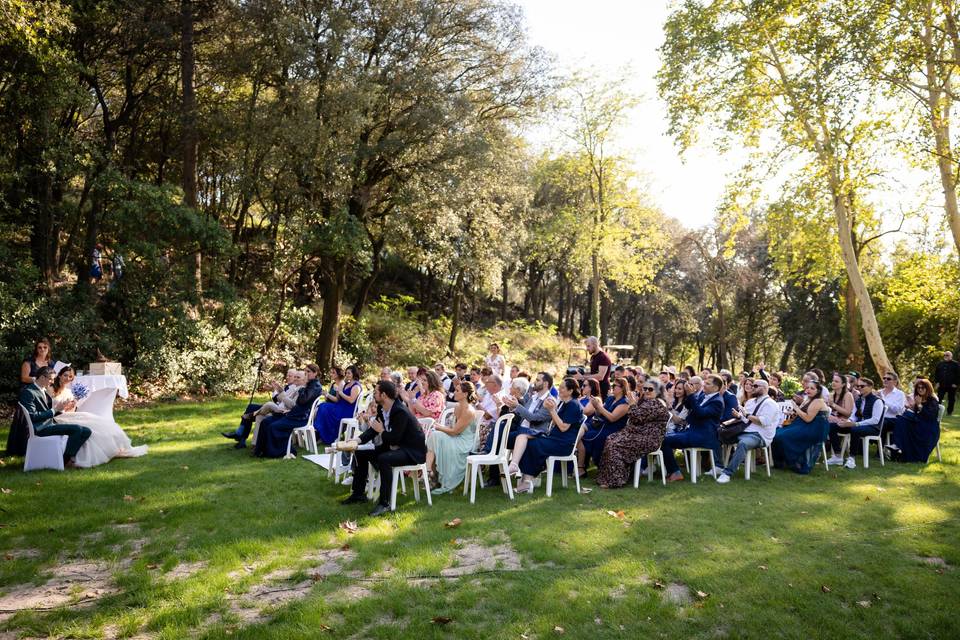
x: 39, y: 406
x: 402, y: 444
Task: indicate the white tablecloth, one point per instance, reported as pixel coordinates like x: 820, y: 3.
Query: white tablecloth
x: 95, y: 383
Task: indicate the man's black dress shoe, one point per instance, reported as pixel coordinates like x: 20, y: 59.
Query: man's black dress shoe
x: 240, y: 445
x: 230, y: 435
x: 354, y: 499
x: 490, y: 484
x: 380, y: 510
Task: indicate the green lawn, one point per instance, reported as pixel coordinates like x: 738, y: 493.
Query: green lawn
x: 168, y: 545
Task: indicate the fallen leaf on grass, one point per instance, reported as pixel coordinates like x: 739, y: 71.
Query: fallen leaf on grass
x: 762, y: 567
x: 619, y: 515
x: 824, y: 588
x: 8, y: 556
x: 559, y: 629
x: 866, y: 498
x: 702, y: 595
x: 658, y: 585
x: 316, y: 577
x: 864, y: 603
x: 128, y: 498
x: 586, y: 490
x: 5, y: 490
x: 598, y: 620
x: 152, y: 566
x: 938, y: 571
x: 350, y: 526
x: 456, y: 522
x: 345, y: 547
x: 185, y: 467
x: 324, y: 627
x: 441, y: 620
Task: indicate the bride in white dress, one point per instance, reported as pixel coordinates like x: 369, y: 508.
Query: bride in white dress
x: 107, y: 440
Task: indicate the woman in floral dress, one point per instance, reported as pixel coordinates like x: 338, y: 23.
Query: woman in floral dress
x: 646, y: 425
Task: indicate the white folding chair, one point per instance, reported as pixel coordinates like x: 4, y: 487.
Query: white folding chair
x: 749, y: 463
x: 43, y: 452
x: 692, y: 457
x: 653, y: 456
x: 305, y: 434
x: 563, y: 460
x: 940, y: 413
x: 473, y: 473
x: 340, y: 462
x: 373, y: 483
x: 99, y: 402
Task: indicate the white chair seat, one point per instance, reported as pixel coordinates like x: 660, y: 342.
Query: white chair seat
x: 563, y: 460
x: 653, y: 456
x: 692, y: 456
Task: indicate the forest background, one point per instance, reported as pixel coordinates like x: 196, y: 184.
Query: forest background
x: 353, y: 181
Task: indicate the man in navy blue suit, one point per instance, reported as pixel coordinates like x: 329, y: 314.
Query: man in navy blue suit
x: 705, y: 409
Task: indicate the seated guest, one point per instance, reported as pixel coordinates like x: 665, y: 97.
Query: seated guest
x: 402, y: 444
x: 386, y: 373
x: 440, y: 369
x: 917, y: 431
x: 894, y: 400
x: 646, y: 425
x: 728, y: 383
x: 704, y: 411
x: 282, y: 400
x: 35, y: 398
x: 589, y: 389
x: 609, y: 417
x: 514, y: 371
x: 39, y: 358
x: 489, y: 405
x: 107, y: 440
x: 761, y: 415
x: 744, y: 391
x: 530, y: 453
x: 396, y: 378
x: 450, y: 446
x: 730, y: 403
x: 485, y: 374
x: 666, y: 380
x: 275, y: 430
x: 460, y: 375
x: 532, y: 418
x: 841, y: 405
x: 412, y: 374
x: 775, y: 380
x: 520, y: 395
x: 688, y: 370
x: 797, y: 445
x: 341, y: 402
x: 426, y: 400
x: 475, y: 377
x: 678, y: 411
x: 866, y: 422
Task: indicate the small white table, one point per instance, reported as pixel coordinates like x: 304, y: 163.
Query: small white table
x: 101, y: 392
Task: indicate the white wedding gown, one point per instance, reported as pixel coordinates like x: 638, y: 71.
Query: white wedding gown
x: 107, y: 440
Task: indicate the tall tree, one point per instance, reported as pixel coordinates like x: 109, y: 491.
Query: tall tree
x: 782, y: 70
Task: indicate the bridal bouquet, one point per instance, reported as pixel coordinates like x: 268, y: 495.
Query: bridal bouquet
x: 80, y: 391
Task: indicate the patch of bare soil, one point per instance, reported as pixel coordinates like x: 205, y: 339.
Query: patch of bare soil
x: 75, y: 582
x: 472, y: 557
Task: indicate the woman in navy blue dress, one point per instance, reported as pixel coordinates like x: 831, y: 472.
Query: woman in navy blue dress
x: 609, y: 417
x: 917, y: 431
x: 275, y: 430
x: 340, y: 403
x: 530, y: 455
x: 797, y: 446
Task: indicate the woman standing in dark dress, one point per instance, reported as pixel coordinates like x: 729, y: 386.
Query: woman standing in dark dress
x: 530, y: 455
x: 39, y: 358
x: 609, y: 417
x: 646, y: 425
x: 917, y: 431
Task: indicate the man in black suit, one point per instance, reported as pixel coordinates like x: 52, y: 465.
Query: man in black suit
x: 39, y: 406
x: 402, y: 443
x: 947, y: 375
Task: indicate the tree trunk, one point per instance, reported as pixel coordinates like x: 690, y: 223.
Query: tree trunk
x: 188, y: 115
x: 333, y: 286
x: 455, y: 319
x: 505, y: 292
x: 594, y: 327
x: 854, y: 344
x: 375, y: 268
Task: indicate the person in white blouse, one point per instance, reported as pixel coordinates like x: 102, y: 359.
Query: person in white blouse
x: 107, y: 440
x: 495, y: 360
x: 761, y: 414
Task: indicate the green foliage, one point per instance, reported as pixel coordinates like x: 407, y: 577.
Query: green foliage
x: 790, y: 386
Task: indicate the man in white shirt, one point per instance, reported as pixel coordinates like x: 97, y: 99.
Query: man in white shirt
x: 492, y: 399
x: 894, y: 399
x: 761, y: 414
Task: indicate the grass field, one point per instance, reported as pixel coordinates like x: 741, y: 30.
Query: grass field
x: 199, y: 540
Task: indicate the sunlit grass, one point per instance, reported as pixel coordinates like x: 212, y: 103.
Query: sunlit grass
x: 787, y: 556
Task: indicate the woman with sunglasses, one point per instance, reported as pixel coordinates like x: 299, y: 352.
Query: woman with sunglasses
x: 589, y: 389
x: 797, y: 446
x: 609, y: 417
x: 646, y: 425
x: 917, y: 431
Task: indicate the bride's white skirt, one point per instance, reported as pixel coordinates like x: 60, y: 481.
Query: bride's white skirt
x: 107, y: 440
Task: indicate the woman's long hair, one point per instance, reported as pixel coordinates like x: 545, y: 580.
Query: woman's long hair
x: 468, y: 390
x: 58, y: 381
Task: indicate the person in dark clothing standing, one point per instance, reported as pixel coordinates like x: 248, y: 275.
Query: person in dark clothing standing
x: 947, y: 375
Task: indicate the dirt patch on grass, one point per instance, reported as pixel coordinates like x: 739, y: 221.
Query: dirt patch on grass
x: 473, y: 557
x: 933, y: 561
x: 74, y: 582
x: 20, y: 554
x: 678, y: 594
x: 185, y: 570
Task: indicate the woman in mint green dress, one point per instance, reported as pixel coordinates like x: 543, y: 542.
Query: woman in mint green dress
x: 450, y: 446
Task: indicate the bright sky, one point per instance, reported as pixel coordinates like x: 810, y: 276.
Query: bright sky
x: 607, y: 35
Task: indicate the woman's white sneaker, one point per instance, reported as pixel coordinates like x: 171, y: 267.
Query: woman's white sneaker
x: 850, y: 463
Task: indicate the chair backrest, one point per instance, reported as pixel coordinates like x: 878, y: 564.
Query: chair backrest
x: 583, y: 430
x: 445, y: 418
x: 362, y: 401
x: 313, y: 411
x: 26, y: 417
x: 503, y: 424
x: 425, y: 423
x: 99, y: 402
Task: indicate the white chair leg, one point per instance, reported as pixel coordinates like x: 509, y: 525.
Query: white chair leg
x: 866, y: 453
x: 939, y: 458
x: 767, y: 454
x: 713, y: 463
x: 694, y: 461
x: 636, y: 474
x: 416, y: 487
x: 563, y: 474
x: 823, y: 448
x: 576, y: 478
x: 550, y: 478
x: 880, y: 450
x: 663, y: 468
x: 505, y: 476
x: 426, y: 484
x: 746, y: 464
x: 467, y: 475
x: 393, y: 489
x: 403, y: 484
x: 475, y: 479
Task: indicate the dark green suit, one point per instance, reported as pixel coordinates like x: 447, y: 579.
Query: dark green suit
x: 39, y: 407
